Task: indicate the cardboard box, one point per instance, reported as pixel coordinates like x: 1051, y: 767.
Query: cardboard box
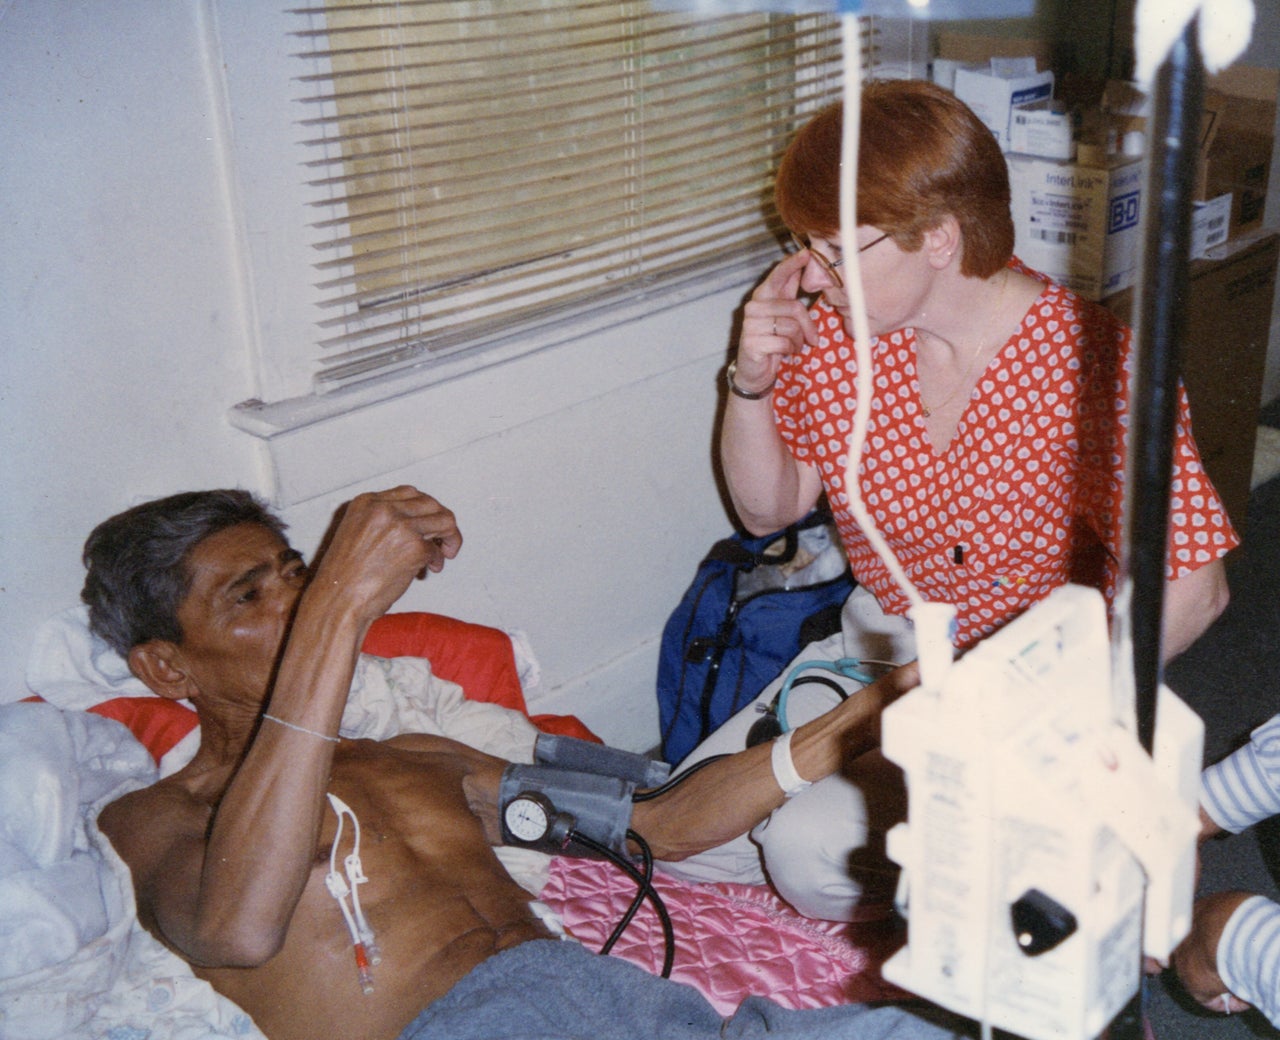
x: 979, y: 48
x: 1236, y: 136
x: 1210, y: 224
x: 1224, y: 355
x: 1078, y: 224
x: 1237, y: 156
x: 1043, y: 128
x: 994, y: 92
x: 943, y: 71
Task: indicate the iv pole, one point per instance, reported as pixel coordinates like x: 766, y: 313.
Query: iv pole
x: 1159, y: 321
x: 1160, y: 316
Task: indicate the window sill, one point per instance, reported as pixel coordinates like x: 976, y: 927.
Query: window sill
x: 324, y: 442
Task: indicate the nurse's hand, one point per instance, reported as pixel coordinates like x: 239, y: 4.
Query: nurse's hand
x: 775, y: 323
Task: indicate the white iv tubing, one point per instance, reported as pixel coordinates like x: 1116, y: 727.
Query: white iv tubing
x: 362, y: 938
x: 934, y: 621
x: 857, y: 301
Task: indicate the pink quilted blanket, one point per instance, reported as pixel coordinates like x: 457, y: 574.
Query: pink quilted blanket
x: 731, y: 940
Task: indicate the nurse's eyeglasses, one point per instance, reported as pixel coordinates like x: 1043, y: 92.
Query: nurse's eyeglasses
x: 826, y: 263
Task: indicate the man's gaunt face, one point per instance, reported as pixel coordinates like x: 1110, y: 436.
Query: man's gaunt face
x: 245, y: 583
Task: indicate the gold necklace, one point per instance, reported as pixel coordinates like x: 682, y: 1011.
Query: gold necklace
x: 964, y: 379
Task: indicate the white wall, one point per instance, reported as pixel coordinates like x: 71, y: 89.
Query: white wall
x: 144, y: 258
x: 118, y: 322
x: 148, y: 203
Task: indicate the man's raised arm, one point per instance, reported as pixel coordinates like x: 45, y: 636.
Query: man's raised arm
x: 223, y: 891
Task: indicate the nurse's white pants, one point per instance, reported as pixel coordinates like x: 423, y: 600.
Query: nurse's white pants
x: 823, y: 850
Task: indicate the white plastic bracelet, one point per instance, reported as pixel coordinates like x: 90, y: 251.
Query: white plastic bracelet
x: 784, y: 767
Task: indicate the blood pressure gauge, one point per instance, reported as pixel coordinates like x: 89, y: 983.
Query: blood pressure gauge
x: 531, y: 821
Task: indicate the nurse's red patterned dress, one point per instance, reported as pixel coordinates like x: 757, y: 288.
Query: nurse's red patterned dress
x: 1029, y: 487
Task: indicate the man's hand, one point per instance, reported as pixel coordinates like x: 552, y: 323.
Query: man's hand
x: 381, y: 542
x: 1196, y: 958
x: 775, y: 323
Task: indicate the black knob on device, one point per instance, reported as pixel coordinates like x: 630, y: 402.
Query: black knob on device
x: 1039, y: 922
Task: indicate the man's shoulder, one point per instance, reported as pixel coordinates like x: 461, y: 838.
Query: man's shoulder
x: 151, y: 817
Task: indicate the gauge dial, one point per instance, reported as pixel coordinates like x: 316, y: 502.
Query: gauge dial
x: 527, y: 817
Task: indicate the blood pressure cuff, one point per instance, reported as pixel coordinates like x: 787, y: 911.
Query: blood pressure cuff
x: 599, y: 806
x: 582, y: 756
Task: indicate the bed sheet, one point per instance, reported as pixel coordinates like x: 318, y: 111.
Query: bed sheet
x: 731, y: 941
x: 75, y: 962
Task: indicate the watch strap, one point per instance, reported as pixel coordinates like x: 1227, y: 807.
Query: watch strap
x: 746, y: 395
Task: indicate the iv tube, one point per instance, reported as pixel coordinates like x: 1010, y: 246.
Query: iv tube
x: 934, y: 621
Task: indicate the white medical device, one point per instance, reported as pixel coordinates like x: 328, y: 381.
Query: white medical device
x: 1046, y: 850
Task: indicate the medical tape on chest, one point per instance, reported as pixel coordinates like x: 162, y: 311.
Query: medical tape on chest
x: 346, y: 890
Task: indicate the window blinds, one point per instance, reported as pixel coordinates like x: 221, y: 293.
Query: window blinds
x: 482, y: 168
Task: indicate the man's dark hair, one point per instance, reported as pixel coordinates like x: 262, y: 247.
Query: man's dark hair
x: 137, y: 561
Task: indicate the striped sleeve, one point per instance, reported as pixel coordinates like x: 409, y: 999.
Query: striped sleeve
x: 1245, y: 786
x: 1249, y: 955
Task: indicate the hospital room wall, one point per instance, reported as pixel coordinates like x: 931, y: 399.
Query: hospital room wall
x: 128, y: 327
x: 126, y: 334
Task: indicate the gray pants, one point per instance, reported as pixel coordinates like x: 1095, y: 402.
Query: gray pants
x: 550, y: 990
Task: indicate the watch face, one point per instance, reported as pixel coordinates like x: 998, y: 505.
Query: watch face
x: 526, y: 818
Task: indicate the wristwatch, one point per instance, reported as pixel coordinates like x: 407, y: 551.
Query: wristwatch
x: 531, y: 821
x: 746, y: 395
